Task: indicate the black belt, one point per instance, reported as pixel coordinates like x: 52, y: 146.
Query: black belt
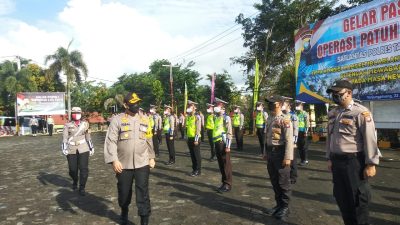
x: 275, y: 148
x: 345, y: 156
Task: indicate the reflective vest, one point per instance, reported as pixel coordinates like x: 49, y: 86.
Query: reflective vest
x: 219, y: 128
x: 301, y: 116
x: 236, y: 120
x: 260, y: 120
x: 191, y: 126
x: 166, y: 124
x: 149, y: 132
x: 210, y: 122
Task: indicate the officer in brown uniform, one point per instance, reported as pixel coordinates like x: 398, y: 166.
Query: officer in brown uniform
x: 168, y: 129
x: 77, y: 146
x: 156, y: 129
x: 352, y: 153
x: 129, y: 149
x: 279, y: 153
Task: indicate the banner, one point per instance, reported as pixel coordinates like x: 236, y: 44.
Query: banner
x: 256, y: 83
x: 40, y: 103
x: 361, y: 44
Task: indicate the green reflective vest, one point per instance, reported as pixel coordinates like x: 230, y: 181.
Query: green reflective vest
x: 219, y: 128
x: 166, y: 125
x: 210, y: 122
x: 260, y: 120
x: 191, y: 126
x: 236, y: 120
x: 302, y: 116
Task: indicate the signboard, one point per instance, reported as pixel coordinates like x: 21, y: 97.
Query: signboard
x: 40, y: 103
x: 361, y: 44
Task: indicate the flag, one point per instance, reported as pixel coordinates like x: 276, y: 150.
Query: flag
x: 212, y: 87
x: 186, y: 99
x: 256, y: 82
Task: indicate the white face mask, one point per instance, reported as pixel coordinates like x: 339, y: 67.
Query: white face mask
x: 259, y: 108
x: 152, y: 111
x: 189, y: 110
x: 209, y: 110
x: 166, y: 112
x: 236, y: 110
x: 297, y: 107
x: 217, y: 109
x: 284, y: 107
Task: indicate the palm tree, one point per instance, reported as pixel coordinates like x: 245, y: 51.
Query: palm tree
x: 70, y: 64
x: 117, y: 100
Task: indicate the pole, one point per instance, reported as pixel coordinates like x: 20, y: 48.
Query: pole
x: 69, y: 98
x: 171, y: 82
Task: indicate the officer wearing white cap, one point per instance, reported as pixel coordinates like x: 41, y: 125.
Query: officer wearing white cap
x: 279, y: 154
x: 77, y: 146
x: 193, y: 132
x: 210, y: 127
x: 168, y: 128
x: 304, y: 124
x: 129, y: 148
x: 157, y: 125
x: 222, y: 136
x: 261, y: 120
x: 352, y: 153
x: 238, y: 122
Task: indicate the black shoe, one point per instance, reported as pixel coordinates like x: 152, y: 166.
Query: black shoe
x: 82, y: 192
x: 273, y: 211
x: 293, y: 181
x: 195, y: 173
x: 123, y: 218
x: 144, y: 220
x: 212, y: 159
x: 74, y: 186
x: 282, y: 212
x: 224, y: 188
x: 170, y: 163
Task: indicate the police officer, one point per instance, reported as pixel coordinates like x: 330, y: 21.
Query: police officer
x: 222, y: 136
x: 279, y: 154
x: 182, y: 125
x: 77, y: 146
x: 34, y: 123
x: 156, y: 126
x: 304, y: 124
x: 238, y: 121
x: 261, y: 119
x: 352, y: 153
x: 202, y: 125
x: 50, y: 125
x: 168, y: 128
x: 210, y: 128
x: 128, y: 147
x: 193, y: 132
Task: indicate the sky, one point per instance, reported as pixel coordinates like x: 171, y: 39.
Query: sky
x: 126, y: 36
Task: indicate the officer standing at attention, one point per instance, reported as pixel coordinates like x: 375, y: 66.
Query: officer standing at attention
x: 261, y: 119
x: 222, y: 136
x: 304, y: 124
x: 193, y: 130
x: 50, y: 125
x: 238, y: 121
x: 202, y: 125
x: 181, y: 122
x: 169, y: 126
x: 279, y: 154
x: 77, y: 146
x: 155, y: 128
x: 130, y: 151
x: 352, y: 153
x: 210, y: 128
x: 34, y: 123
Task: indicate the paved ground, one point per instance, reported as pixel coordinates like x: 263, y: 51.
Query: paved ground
x: 35, y: 188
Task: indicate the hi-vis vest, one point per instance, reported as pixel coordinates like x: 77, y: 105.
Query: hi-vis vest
x: 260, y: 120
x: 149, y: 132
x: 219, y: 128
x: 191, y: 126
x: 301, y: 116
x: 236, y: 120
x: 166, y: 124
x: 210, y: 122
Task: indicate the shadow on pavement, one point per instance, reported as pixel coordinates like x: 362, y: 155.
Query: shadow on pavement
x: 234, y: 173
x: 373, y: 220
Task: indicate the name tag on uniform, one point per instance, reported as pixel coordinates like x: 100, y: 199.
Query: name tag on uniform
x: 346, y: 121
x: 143, y: 127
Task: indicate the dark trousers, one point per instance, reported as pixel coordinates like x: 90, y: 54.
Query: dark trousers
x: 34, y: 129
x: 211, y: 142
x: 224, y: 163
x: 195, y: 154
x: 239, y: 138
x: 124, y: 185
x: 302, y: 145
x: 351, y: 190
x: 261, y: 139
x: 156, y: 144
x: 293, y: 168
x: 159, y: 136
x: 279, y: 175
x: 79, y: 162
x: 182, y: 131
x: 171, y: 147
x: 202, y: 133
x: 50, y: 127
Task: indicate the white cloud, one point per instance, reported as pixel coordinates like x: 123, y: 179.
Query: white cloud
x: 6, y: 7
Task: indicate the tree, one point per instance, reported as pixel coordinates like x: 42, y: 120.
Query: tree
x: 70, y: 64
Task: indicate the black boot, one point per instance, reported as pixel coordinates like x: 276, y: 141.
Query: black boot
x: 144, y: 220
x: 273, y: 211
x: 282, y: 213
x: 124, y: 216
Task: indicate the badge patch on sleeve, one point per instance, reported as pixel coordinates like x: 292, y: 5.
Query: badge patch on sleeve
x: 367, y: 116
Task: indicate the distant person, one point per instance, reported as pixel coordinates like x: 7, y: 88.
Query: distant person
x: 50, y: 125
x: 304, y: 124
x: 202, y: 126
x: 169, y: 128
x: 261, y: 120
x: 34, y: 124
x: 210, y: 128
x: 238, y: 122
x: 193, y: 132
x: 181, y: 122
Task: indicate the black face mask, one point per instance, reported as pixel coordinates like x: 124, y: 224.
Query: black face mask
x: 271, y: 106
x: 133, y: 108
x: 338, y: 98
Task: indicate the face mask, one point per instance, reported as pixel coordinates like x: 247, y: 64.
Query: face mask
x: 298, y: 108
x: 133, y: 108
x: 338, y: 98
x: 259, y: 108
x: 209, y: 110
x: 284, y: 108
x: 152, y: 111
x: 217, y: 109
x: 189, y: 110
x: 166, y: 113
x: 76, y: 116
x: 236, y: 111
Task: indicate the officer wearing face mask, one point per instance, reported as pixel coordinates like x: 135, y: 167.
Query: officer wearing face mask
x: 77, y: 146
x: 193, y: 132
x: 155, y: 128
x: 279, y: 154
x: 238, y: 121
x: 128, y: 148
x: 261, y: 119
x: 304, y: 124
x: 352, y: 153
x: 168, y: 128
x: 210, y: 127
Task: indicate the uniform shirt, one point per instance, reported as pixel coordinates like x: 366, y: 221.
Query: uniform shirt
x: 303, y: 119
x: 295, y: 123
x: 182, y: 120
x: 50, y: 121
x: 172, y: 124
x: 126, y: 141
x: 241, y: 120
x: 280, y: 132
x: 202, y: 119
x: 197, y: 124
x: 33, y: 122
x: 77, y: 137
x: 352, y: 130
x: 228, y: 128
x: 157, y: 121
